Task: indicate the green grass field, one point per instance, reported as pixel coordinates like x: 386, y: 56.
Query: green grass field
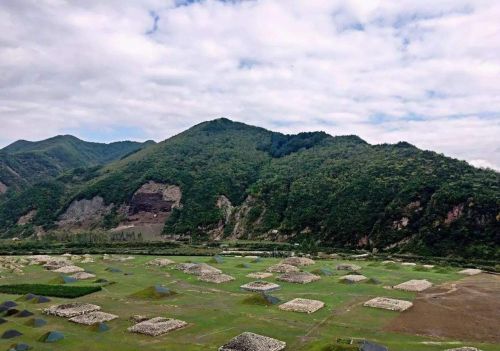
x: 217, y: 312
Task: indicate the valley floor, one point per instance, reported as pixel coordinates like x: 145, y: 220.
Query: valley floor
x: 217, y: 312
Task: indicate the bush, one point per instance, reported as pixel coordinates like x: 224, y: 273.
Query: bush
x: 49, y: 290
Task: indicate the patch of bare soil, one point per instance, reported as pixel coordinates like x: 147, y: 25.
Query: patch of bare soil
x: 468, y: 309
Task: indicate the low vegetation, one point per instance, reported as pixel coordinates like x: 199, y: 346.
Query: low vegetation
x: 49, y: 290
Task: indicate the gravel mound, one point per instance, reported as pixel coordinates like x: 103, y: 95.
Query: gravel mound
x: 298, y: 261
x: 388, y: 304
x: 299, y: 277
x: 282, y: 268
x: 260, y: 286
x: 353, y: 278
x: 157, y: 326
x: 92, y: 318
x: 216, y: 278
x: 414, y: 285
x: 302, y: 305
x: 253, y: 342
x: 69, y: 310
x: 259, y: 275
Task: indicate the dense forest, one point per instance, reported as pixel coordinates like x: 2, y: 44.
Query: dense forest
x: 24, y: 163
x: 340, y: 191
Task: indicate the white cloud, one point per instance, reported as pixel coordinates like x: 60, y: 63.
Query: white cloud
x: 422, y: 71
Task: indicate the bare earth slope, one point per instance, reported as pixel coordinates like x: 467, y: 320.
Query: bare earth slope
x: 468, y: 309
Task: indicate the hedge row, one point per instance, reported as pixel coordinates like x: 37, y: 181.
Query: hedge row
x: 49, y: 290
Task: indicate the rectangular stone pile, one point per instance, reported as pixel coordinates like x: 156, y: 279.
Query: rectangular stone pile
x: 302, y: 305
x: 157, y: 326
x: 388, y: 304
x: 414, y: 285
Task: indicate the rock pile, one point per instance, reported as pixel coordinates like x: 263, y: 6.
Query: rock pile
x: 298, y: 277
x: 215, y: 278
x: 470, y: 271
x: 69, y: 269
x: 302, y: 305
x: 348, y: 267
x: 92, y: 318
x: 259, y: 275
x: 69, y: 310
x: 298, y: 261
x: 83, y: 276
x: 353, y: 278
x: 260, y: 286
x: 388, y: 304
x: 157, y: 326
x: 414, y: 285
x: 282, y: 268
x: 197, y: 268
x: 160, y: 262
x: 253, y: 342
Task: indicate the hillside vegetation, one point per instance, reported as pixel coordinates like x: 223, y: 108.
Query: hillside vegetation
x: 24, y: 163
x: 311, y: 187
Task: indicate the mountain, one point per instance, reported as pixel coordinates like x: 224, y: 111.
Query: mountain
x: 24, y: 162
x: 223, y: 179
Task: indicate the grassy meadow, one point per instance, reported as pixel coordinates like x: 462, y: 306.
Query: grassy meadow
x: 217, y: 312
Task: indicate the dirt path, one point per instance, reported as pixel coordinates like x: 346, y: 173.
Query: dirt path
x: 465, y: 310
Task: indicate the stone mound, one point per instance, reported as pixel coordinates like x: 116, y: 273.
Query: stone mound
x: 69, y: 310
x: 259, y: 275
x: 160, y: 262
x: 409, y: 264
x: 157, y: 326
x: 197, y: 268
x: 298, y: 261
x: 388, y: 304
x: 69, y: 269
x: 282, y: 268
x: 298, y: 277
x: 353, y: 278
x: 216, y: 278
x: 470, y: 271
x: 260, y: 286
x: 302, y: 305
x: 82, y: 276
x: 348, y: 267
x: 465, y: 348
x: 92, y: 318
x: 414, y: 285
x: 253, y: 342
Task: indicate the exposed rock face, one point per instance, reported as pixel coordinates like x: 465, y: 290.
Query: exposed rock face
x: 149, y: 208
x: 240, y: 227
x: 454, y: 214
x: 155, y: 197
x: 27, y: 218
x: 402, y: 223
x: 149, y: 203
x: 3, y: 188
x: 84, y: 213
x: 224, y: 204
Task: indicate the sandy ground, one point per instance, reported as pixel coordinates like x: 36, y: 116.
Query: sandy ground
x: 468, y: 309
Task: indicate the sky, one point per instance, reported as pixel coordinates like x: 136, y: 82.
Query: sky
x: 426, y: 72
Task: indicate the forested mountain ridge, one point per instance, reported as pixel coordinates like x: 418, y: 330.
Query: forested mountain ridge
x: 24, y: 162
x: 222, y: 179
